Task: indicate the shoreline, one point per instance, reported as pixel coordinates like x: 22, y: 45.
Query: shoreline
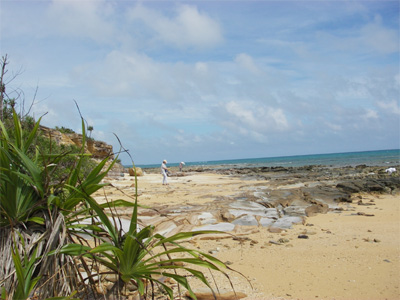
x: 242, y: 169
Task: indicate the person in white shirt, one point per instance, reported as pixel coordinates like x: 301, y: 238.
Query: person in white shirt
x: 164, y: 170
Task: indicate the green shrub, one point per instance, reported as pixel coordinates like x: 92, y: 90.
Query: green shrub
x: 63, y: 129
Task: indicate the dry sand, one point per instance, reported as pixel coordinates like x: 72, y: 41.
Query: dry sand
x: 353, y: 254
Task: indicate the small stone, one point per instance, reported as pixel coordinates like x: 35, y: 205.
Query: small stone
x: 303, y: 236
x: 275, y: 230
x: 282, y: 240
x: 308, y: 232
x: 131, y: 287
x: 111, y: 277
x: 134, y: 296
x: 364, y: 214
x: 377, y: 241
x: 170, y: 280
x: 213, y: 251
x: 101, y: 290
x: 274, y: 242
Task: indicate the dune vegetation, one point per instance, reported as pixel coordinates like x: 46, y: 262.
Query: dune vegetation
x: 57, y: 242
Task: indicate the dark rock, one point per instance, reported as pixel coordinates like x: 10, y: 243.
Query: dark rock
x: 364, y: 214
x: 374, y: 186
x: 381, y: 185
x: 350, y: 187
x: 303, y: 236
x: 326, y: 194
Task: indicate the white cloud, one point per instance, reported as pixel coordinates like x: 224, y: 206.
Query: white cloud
x: 371, y: 38
x: 85, y: 19
x: 370, y: 115
x: 249, y: 117
x: 391, y: 107
x: 375, y: 36
x: 121, y: 74
x: 333, y: 126
x: 201, y: 68
x: 189, y: 28
x: 246, y: 61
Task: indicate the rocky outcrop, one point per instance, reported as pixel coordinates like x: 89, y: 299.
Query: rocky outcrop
x: 286, y: 198
x: 97, y: 149
x: 380, y: 185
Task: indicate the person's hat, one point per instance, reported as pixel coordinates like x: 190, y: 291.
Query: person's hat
x: 165, y: 161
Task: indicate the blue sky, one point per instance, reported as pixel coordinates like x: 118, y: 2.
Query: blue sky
x: 210, y: 80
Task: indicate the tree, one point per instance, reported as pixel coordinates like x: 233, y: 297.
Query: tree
x: 90, y: 129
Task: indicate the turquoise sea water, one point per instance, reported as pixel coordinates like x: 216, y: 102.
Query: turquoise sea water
x: 371, y: 158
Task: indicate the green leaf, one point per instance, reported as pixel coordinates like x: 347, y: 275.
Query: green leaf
x: 74, y: 249
x: 32, y: 135
x: 185, y: 235
x: 34, y: 171
x: 20, y: 274
x: 121, y: 203
x: 105, y: 247
x: 4, y: 132
x: 17, y: 131
x: 37, y: 220
x: 53, y: 199
x: 183, y: 281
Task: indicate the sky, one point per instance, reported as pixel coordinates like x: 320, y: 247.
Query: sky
x: 209, y: 80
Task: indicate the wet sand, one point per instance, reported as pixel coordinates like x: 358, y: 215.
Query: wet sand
x: 351, y: 254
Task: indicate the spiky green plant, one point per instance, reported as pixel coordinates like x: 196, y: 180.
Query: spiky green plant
x: 24, y: 266
x: 40, y: 210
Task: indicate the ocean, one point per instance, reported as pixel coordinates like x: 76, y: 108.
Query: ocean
x: 387, y: 158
